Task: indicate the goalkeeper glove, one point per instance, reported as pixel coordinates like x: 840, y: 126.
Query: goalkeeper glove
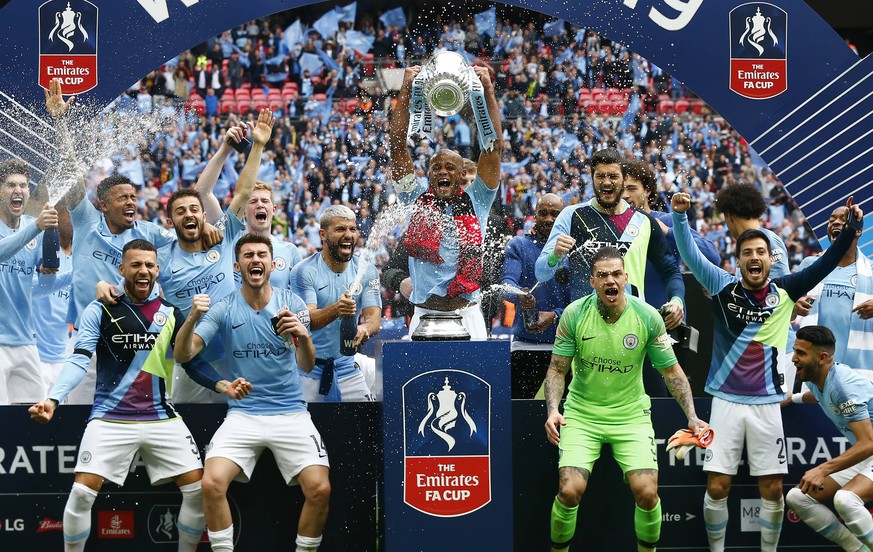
x: 683, y: 441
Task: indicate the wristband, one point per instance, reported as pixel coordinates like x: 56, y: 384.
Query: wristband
x: 553, y: 261
x: 797, y: 398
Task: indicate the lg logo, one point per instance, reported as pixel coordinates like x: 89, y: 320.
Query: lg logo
x: 10, y: 525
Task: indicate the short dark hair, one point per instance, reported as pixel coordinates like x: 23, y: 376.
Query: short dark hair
x: 139, y: 245
x: 751, y: 234
x: 110, y: 182
x: 607, y: 156
x: 820, y: 336
x: 607, y: 252
x: 184, y: 192
x: 252, y: 238
x: 642, y: 171
x: 740, y: 200
x: 13, y: 166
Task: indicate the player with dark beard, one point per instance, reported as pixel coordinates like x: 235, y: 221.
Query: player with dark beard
x: 580, y: 231
x: 329, y: 286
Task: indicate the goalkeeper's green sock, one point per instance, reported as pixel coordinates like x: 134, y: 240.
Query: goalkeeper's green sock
x: 563, y: 525
x: 647, y: 524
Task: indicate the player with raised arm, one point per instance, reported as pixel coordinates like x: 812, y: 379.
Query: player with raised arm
x: 266, y: 335
x: 446, y: 270
x: 259, y: 210
x: 132, y: 342
x: 751, y: 315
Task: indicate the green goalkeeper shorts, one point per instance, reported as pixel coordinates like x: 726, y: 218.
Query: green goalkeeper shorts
x: 632, y: 442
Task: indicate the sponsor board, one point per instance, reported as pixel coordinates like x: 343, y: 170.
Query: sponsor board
x: 446, y: 441
x: 68, y: 44
x: 758, y: 50
x: 115, y: 524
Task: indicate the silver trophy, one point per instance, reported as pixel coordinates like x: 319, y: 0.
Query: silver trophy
x: 447, y: 86
x: 441, y: 326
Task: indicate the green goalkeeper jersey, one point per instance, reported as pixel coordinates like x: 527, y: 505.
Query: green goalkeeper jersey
x: 608, y: 358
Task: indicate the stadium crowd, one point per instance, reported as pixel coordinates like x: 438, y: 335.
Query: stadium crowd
x: 564, y: 92
x: 291, y: 141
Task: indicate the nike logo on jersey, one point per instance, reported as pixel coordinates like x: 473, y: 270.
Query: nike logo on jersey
x: 322, y: 287
x: 237, y: 326
x: 583, y: 338
x: 114, y: 320
x: 175, y: 271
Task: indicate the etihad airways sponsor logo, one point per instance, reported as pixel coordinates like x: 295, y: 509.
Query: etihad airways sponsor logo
x: 136, y: 341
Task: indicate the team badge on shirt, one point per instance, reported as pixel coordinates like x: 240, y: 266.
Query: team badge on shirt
x: 630, y: 341
x: 213, y: 256
x: 280, y: 263
x: 854, y: 280
x: 772, y: 300
x: 31, y: 244
x: 356, y: 288
x: 159, y: 319
x: 632, y: 230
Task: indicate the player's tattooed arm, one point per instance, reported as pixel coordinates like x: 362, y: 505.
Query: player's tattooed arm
x: 679, y: 387
x: 554, y: 388
x: 554, y: 383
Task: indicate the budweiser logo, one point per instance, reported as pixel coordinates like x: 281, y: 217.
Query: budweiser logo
x: 48, y: 524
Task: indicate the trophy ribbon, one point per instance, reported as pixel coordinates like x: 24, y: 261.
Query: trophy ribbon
x: 421, y: 115
x: 487, y: 134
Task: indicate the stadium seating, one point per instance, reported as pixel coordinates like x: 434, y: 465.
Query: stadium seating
x: 666, y: 106
x: 227, y: 105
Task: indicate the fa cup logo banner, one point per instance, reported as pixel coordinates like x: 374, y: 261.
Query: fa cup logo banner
x: 68, y: 44
x: 758, y: 50
x: 446, y: 429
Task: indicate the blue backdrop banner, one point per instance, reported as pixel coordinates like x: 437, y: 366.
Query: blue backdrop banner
x: 774, y: 70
